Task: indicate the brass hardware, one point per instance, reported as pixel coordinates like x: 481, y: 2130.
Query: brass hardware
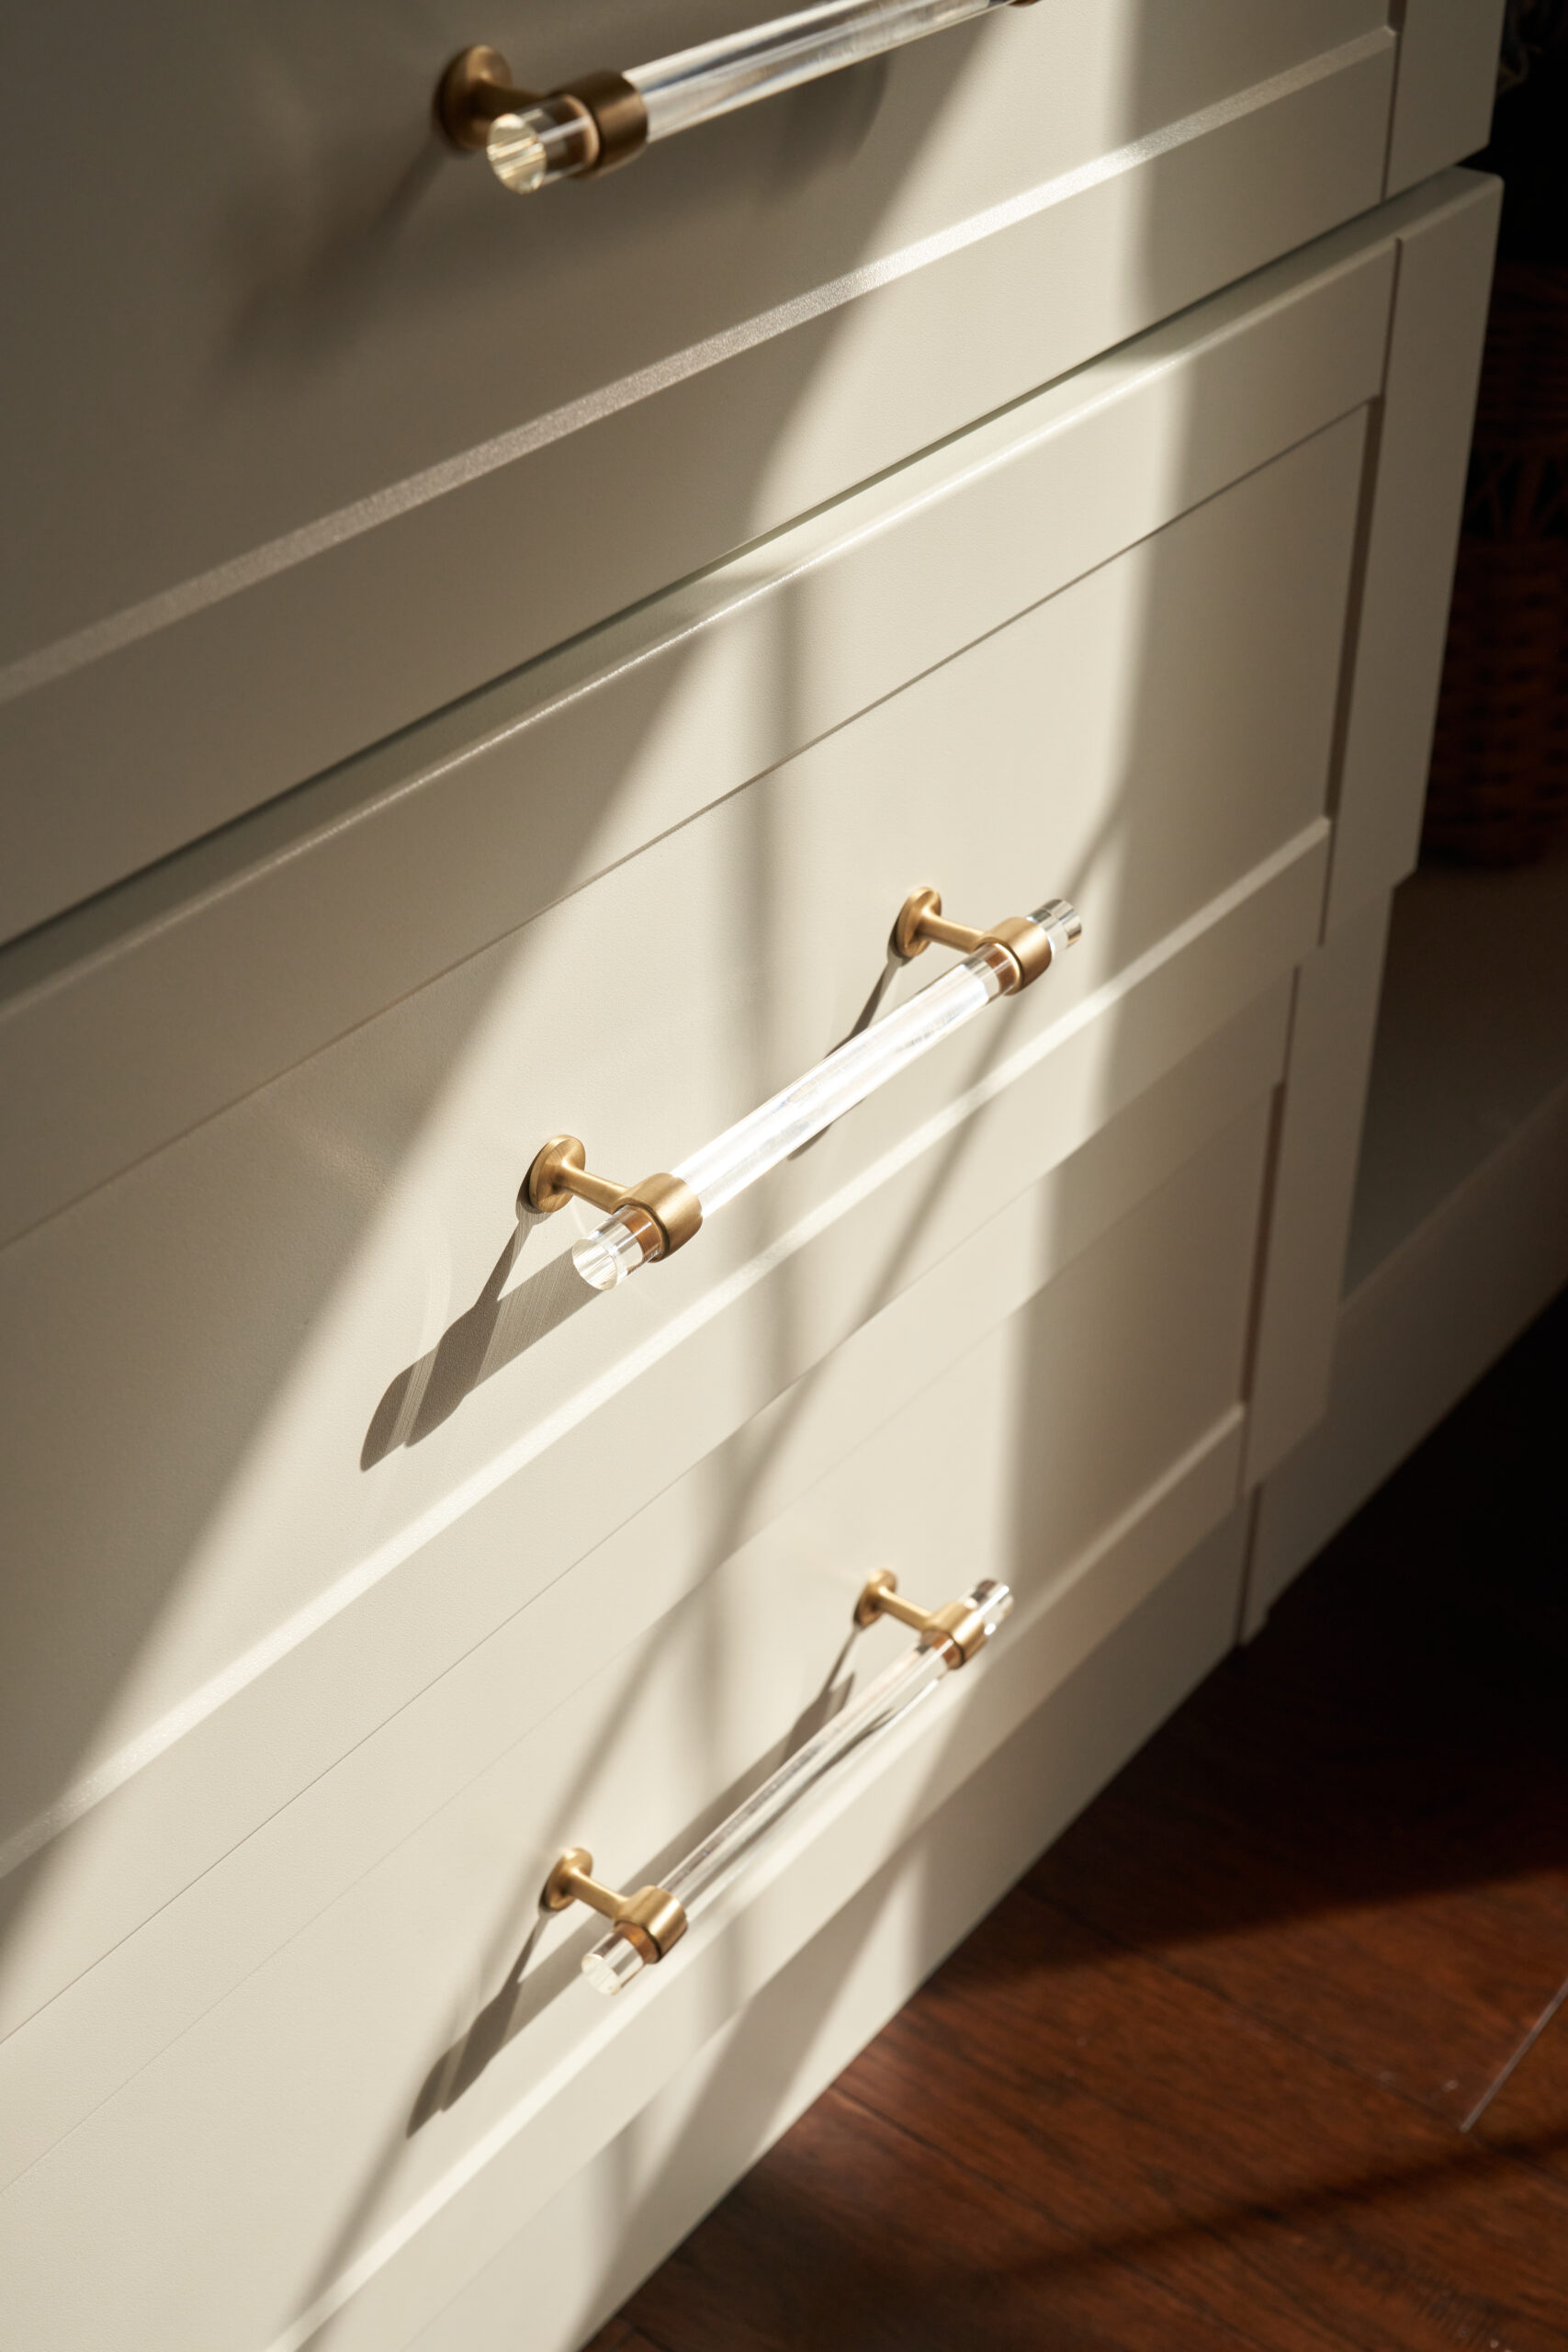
x: 558, y: 1174
x: 1025, y: 944
x: 958, y: 1631
x: 920, y: 922
x: 652, y: 1920
x: 599, y: 120
x: 476, y: 90
x: 619, y: 118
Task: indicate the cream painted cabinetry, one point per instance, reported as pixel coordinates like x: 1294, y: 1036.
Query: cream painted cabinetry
x: 1065, y: 512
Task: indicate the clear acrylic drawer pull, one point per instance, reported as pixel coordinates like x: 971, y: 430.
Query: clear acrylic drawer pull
x: 657, y: 1217
x: 532, y: 138
x: 646, y: 1926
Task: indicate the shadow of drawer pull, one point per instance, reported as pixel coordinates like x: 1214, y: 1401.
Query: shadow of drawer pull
x: 645, y: 1926
x: 655, y: 1217
x: 531, y: 138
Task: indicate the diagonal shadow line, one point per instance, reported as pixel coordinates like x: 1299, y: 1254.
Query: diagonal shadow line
x: 490, y: 1334
x: 858, y: 1028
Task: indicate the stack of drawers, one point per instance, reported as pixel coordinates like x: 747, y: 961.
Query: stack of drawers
x: 380, y: 809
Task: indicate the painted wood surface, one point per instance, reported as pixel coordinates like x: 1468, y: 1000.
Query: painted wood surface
x: 1442, y: 99
x: 1459, y: 1234
x: 1129, y: 1366
x: 348, y: 1487
x: 1414, y: 1337
x: 153, y: 1983
x: 381, y: 434
x: 1412, y: 530
x: 367, y: 1199
x: 129, y: 1022
x: 1313, y: 1189
x: 604, y: 2230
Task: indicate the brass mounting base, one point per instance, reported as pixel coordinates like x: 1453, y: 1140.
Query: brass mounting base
x: 560, y: 1893
x: 911, y: 937
x: 474, y: 92
x: 477, y: 89
x: 559, y: 1175
x: 652, y: 1920
x: 547, y: 1186
x: 872, y: 1601
x: 958, y: 1631
x: 1026, y: 949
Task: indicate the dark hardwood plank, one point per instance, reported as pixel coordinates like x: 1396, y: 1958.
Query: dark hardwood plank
x: 1177, y: 2136
x: 853, y: 2237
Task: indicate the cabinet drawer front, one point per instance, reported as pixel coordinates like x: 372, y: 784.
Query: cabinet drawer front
x: 399, y: 1764
x: 380, y: 433
x: 126, y: 1023
x: 368, y: 2069
x: 325, y: 1293
x: 154, y: 1817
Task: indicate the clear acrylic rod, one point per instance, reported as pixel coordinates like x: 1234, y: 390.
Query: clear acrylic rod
x: 602, y: 119
x: 697, y: 85
x: 802, y: 1110
x: 699, y: 1880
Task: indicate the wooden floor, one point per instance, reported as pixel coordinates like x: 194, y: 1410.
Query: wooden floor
x: 1266, y: 2051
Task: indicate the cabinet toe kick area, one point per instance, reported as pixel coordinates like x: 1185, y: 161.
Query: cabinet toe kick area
x: 947, y: 842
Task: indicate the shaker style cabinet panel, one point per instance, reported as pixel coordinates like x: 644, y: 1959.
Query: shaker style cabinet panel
x: 1442, y: 105
x: 157, y: 1979
x: 1188, y: 692
x: 324, y: 430
x: 488, y: 668
x: 290, y: 928
x: 637, y: 1762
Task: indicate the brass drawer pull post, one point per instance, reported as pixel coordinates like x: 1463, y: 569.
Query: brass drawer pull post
x: 532, y: 138
x: 662, y: 1203
x: 651, y: 1920
x: 958, y: 1630
x: 1031, y: 942
x: 659, y: 1215
x: 644, y: 1927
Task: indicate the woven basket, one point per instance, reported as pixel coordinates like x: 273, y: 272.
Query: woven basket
x: 1499, y: 785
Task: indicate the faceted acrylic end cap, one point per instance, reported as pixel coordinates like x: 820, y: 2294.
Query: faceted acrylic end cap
x: 612, y: 1252
x: 993, y: 1601
x: 517, y: 154
x: 611, y: 1964
x: 1061, y: 922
